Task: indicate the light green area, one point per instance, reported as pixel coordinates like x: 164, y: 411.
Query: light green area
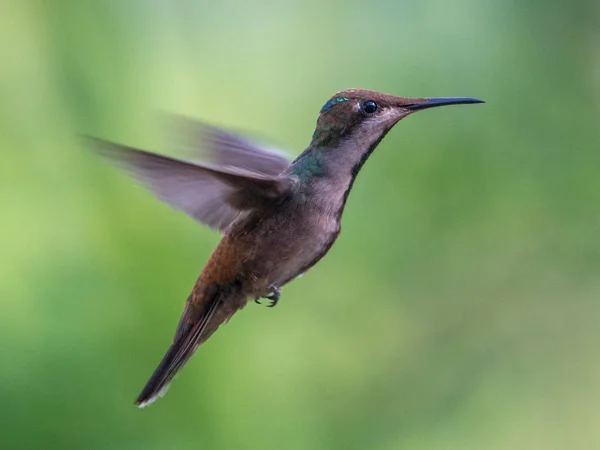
x: 460, y: 307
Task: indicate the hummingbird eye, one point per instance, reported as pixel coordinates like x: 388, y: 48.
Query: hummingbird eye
x: 369, y: 107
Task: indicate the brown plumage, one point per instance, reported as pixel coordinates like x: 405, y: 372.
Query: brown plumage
x: 278, y: 218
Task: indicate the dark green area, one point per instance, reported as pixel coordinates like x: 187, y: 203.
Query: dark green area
x: 458, y: 310
x: 310, y: 164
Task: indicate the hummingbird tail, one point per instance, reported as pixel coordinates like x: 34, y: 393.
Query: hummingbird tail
x: 161, y: 378
x: 196, y: 325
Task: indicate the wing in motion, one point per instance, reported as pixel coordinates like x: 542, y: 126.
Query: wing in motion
x: 223, y: 148
x: 239, y: 178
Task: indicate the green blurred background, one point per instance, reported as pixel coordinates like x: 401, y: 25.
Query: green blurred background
x: 458, y: 310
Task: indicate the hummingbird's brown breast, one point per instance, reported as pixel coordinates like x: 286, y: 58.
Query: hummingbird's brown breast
x: 269, y: 249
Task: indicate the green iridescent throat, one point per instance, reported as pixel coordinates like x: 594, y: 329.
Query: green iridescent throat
x: 309, y: 164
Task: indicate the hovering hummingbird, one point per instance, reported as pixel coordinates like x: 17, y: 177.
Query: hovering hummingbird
x: 278, y: 218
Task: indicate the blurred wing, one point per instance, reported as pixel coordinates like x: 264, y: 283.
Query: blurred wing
x: 211, y: 195
x: 223, y: 148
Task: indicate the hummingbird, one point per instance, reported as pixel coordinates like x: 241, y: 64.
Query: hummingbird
x: 278, y: 218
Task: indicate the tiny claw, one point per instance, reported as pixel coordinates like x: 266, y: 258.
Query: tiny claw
x: 273, y: 296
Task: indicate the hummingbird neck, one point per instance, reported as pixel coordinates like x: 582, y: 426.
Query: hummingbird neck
x: 327, y: 174
x: 338, y: 157
x: 309, y: 164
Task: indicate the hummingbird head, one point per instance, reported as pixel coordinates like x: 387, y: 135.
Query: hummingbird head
x: 350, y: 126
x: 364, y: 116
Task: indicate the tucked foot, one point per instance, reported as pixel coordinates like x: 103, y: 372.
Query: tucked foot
x: 273, y: 296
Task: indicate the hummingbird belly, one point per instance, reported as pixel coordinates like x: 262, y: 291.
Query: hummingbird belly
x: 311, y: 242
x: 266, y: 250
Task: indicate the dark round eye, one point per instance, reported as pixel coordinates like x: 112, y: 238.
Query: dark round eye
x: 369, y: 107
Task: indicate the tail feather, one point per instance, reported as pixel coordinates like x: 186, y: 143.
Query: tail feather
x: 190, y: 333
x: 159, y: 381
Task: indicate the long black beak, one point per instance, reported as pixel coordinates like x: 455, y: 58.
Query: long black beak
x: 442, y: 101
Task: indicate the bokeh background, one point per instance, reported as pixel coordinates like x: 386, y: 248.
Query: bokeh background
x: 458, y: 310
